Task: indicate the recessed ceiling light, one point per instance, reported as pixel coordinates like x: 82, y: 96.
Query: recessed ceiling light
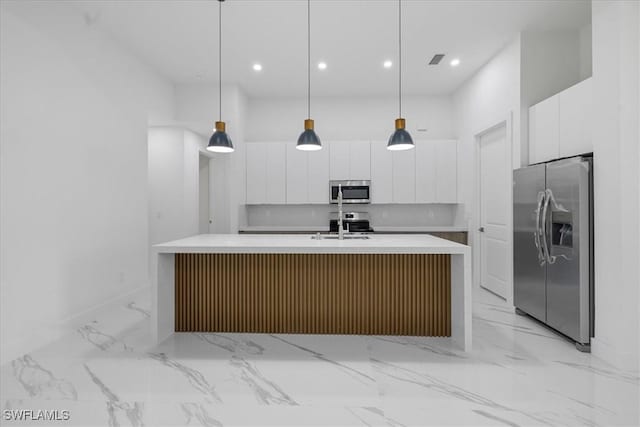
x: 387, y: 64
x: 257, y: 67
x: 322, y: 65
x: 455, y: 62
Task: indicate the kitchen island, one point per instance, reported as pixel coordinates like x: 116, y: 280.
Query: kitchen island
x: 382, y: 285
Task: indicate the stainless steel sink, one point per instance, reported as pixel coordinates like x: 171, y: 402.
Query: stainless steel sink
x: 333, y: 237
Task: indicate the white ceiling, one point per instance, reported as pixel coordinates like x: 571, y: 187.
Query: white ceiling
x: 179, y: 39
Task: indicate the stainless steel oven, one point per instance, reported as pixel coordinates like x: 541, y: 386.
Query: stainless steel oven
x: 352, y: 191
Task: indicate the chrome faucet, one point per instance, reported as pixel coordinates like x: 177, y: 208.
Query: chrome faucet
x: 340, y: 226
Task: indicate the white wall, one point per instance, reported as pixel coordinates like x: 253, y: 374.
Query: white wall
x: 174, y: 180
x: 616, y: 76
x: 74, y: 112
x: 203, y: 194
x: 491, y: 96
x: 348, y: 118
x: 550, y: 62
x: 197, y: 107
x: 586, y: 52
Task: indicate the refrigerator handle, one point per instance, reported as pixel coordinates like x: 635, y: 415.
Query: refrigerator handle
x: 545, y: 232
x: 538, y: 232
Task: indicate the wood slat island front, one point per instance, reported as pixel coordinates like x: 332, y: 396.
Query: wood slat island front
x: 388, y: 285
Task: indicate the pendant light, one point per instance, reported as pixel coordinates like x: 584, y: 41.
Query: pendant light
x: 308, y: 140
x: 400, y: 139
x: 220, y: 141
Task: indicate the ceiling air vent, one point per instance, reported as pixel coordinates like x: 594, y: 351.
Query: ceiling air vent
x: 436, y: 59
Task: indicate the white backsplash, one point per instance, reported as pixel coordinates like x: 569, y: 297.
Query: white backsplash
x: 391, y: 215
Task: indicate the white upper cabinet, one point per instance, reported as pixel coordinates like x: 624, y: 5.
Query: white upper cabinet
x: 426, y: 175
x: 446, y: 171
x: 318, y: 176
x: 360, y: 160
x: 544, y: 131
x: 297, y: 175
x: 266, y: 173
x: 276, y: 158
x: 279, y: 173
x: 436, y: 171
x: 349, y: 160
x: 404, y: 176
x: 381, y: 173
x: 575, y: 109
x: 560, y: 126
x: 307, y: 179
x: 256, y: 173
x: 338, y: 160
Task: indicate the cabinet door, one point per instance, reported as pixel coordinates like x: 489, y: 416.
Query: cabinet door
x: 339, y: 160
x: 296, y: 175
x: 576, y: 116
x: 544, y: 131
x: 359, y: 160
x: 381, y: 173
x: 426, y: 182
x: 404, y: 176
x: 446, y: 171
x: 276, y: 159
x: 256, y: 165
x: 318, y: 176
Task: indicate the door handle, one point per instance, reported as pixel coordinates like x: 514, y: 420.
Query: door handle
x: 545, y: 232
x: 538, y: 232
x: 481, y: 229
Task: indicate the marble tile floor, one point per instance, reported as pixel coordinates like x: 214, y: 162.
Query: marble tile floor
x: 107, y: 373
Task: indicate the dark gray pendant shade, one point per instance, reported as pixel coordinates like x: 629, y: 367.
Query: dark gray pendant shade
x: 220, y: 141
x: 308, y: 140
x: 400, y: 139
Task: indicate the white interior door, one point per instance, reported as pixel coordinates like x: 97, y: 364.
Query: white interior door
x: 494, y: 211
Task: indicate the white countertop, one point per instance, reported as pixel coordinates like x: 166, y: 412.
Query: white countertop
x: 303, y: 243
x: 380, y: 229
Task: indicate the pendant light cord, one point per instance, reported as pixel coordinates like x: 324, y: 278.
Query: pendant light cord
x: 399, y: 58
x: 308, y: 59
x: 220, y: 60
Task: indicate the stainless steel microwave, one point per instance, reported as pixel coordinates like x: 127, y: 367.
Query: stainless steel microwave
x: 352, y: 191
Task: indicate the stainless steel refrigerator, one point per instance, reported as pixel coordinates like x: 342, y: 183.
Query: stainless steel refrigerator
x: 553, y: 245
